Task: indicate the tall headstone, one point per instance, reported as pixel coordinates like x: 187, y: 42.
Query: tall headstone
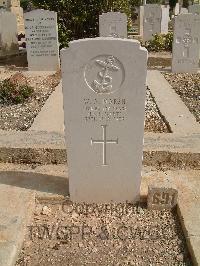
x: 8, y: 33
x: 141, y: 18
x: 194, y: 9
x: 185, y: 56
x: 113, y: 24
x: 42, y: 40
x: 18, y: 11
x: 104, y: 100
x: 156, y: 19
x: 176, y: 9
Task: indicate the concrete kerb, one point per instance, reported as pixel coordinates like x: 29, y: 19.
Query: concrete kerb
x: 171, y: 107
x: 16, y: 205
x: 160, y: 150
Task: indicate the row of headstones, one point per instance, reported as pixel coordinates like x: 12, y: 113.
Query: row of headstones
x: 194, y: 9
x: 154, y: 18
x: 42, y: 35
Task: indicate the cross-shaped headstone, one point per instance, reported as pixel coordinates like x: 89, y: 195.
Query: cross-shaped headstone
x: 104, y: 141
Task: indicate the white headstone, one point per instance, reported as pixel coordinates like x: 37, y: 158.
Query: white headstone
x: 113, y: 24
x: 141, y: 18
x: 104, y: 100
x: 186, y: 43
x: 156, y: 19
x: 8, y: 33
x: 194, y: 9
x: 42, y: 40
x: 176, y: 9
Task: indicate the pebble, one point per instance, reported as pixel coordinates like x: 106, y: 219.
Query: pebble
x: 46, y: 210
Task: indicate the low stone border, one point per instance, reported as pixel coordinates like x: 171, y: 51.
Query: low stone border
x: 40, y: 147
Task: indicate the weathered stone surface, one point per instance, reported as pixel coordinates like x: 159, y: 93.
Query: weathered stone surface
x: 113, y: 24
x: 141, y: 18
x: 8, y: 33
x: 194, y: 9
x: 177, y: 9
x: 183, y: 10
x: 161, y: 198
x: 42, y: 40
x: 186, y: 44
x: 104, y: 113
x: 156, y: 19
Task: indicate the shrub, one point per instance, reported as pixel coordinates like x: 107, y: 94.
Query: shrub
x: 79, y: 19
x: 11, y: 93
x: 160, y: 42
x: 168, y: 41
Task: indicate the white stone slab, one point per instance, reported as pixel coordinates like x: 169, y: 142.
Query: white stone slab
x: 177, y: 9
x: 42, y: 40
x: 8, y: 33
x: 141, y: 18
x: 186, y: 43
x: 113, y: 24
x: 104, y: 99
x: 194, y: 9
x: 156, y: 19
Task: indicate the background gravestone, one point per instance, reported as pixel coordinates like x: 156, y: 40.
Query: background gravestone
x: 176, y: 9
x: 18, y: 11
x: 194, y: 9
x: 42, y: 40
x: 141, y: 17
x: 185, y: 54
x: 8, y: 33
x: 156, y: 19
x: 104, y: 98
x: 113, y: 24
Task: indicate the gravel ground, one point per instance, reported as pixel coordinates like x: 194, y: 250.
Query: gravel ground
x: 120, y: 234
x: 153, y: 119
x: 187, y: 86
x: 21, y: 116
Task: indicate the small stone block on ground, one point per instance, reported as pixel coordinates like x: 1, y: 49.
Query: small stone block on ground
x: 160, y: 198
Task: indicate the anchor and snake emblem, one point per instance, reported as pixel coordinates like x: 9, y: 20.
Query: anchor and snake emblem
x: 105, y: 83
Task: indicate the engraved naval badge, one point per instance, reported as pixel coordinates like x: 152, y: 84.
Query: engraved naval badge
x: 104, y: 74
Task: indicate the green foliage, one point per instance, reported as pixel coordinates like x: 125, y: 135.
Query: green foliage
x: 79, y: 19
x: 14, y: 94
x: 185, y: 3
x: 168, y: 41
x: 172, y: 4
x: 24, y: 4
x: 155, y: 2
x: 160, y: 42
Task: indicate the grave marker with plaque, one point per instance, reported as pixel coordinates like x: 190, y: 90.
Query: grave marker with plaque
x: 42, y: 40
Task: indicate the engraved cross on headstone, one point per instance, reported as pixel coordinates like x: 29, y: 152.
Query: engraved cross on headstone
x: 113, y: 31
x: 186, y: 40
x: 104, y: 141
